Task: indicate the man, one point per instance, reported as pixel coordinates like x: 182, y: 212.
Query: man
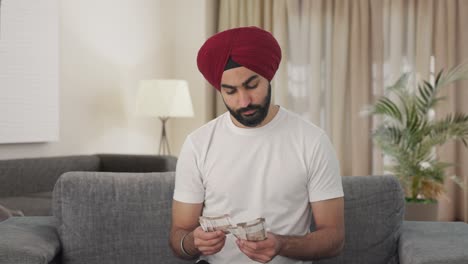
x: 256, y: 160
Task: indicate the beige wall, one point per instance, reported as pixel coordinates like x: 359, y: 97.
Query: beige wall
x: 191, y: 32
x: 106, y: 46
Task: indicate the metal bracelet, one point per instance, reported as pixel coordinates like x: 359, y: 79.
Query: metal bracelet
x: 182, y: 247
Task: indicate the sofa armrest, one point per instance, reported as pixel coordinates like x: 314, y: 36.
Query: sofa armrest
x: 136, y: 163
x: 433, y: 243
x: 29, y: 240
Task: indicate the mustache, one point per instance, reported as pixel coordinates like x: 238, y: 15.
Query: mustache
x: 248, y: 108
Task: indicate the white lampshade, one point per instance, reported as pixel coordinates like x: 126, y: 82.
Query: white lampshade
x: 164, y: 98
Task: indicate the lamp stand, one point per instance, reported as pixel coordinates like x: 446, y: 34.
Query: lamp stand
x: 164, y: 143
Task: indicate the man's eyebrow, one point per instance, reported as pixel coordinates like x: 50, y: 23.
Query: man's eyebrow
x: 251, y: 78
x: 228, y: 86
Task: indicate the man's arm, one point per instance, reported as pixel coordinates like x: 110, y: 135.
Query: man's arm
x: 326, y: 241
x: 184, y: 221
x: 185, y: 226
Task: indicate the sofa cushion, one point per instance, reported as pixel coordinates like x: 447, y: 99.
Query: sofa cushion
x: 374, y: 209
x: 35, y: 204
x: 29, y: 240
x: 434, y: 243
x: 114, y: 217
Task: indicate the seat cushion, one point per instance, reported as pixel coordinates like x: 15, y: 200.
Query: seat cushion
x: 29, y: 240
x: 434, y: 243
x: 114, y: 217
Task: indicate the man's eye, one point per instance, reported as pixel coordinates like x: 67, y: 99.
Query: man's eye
x: 251, y: 87
x: 231, y: 92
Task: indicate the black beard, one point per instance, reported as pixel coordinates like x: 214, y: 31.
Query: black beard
x: 256, y: 118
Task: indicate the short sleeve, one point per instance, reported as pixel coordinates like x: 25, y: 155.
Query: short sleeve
x: 188, y: 180
x: 324, y: 179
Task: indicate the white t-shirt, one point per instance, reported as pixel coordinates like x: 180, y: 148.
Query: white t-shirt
x: 273, y: 171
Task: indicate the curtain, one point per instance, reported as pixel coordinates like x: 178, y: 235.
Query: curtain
x: 330, y: 74
x: 339, y: 55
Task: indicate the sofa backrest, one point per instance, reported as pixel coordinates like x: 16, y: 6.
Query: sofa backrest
x: 374, y: 210
x: 114, y: 217
x: 136, y: 163
x: 125, y: 218
x: 35, y: 175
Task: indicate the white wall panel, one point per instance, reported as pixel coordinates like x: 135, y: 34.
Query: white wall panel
x: 29, y: 71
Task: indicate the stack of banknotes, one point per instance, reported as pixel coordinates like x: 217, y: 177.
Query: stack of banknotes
x: 252, y: 231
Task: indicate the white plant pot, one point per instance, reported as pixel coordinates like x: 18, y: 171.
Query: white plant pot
x: 420, y: 211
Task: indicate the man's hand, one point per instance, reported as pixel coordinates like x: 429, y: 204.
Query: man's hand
x: 326, y: 241
x: 261, y: 251
x: 208, y: 243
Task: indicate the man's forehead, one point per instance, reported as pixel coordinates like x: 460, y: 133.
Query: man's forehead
x: 240, y: 74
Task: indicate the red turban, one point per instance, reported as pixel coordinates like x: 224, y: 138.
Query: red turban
x: 251, y: 47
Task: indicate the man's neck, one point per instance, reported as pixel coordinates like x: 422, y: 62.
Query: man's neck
x: 272, y: 111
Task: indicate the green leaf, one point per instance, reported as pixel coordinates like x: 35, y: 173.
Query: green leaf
x: 437, y: 79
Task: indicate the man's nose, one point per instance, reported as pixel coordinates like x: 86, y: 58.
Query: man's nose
x: 244, y: 99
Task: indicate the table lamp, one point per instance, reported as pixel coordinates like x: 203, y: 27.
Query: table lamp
x: 164, y: 99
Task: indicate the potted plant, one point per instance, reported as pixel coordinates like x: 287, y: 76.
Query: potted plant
x: 409, y: 133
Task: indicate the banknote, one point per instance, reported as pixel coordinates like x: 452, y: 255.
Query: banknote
x: 210, y: 224
x: 252, y: 230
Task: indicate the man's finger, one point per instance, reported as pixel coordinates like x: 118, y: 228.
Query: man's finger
x: 256, y: 246
x: 210, y: 242
x: 248, y: 250
x: 258, y: 251
x: 210, y: 235
x: 254, y: 255
x: 212, y: 249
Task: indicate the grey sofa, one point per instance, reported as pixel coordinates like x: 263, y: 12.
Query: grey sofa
x: 27, y: 184
x: 117, y: 218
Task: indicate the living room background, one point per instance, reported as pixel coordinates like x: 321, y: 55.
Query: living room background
x: 106, y: 47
